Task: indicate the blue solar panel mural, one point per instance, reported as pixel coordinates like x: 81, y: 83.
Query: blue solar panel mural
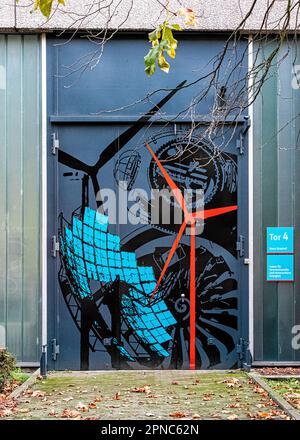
x: 90, y: 252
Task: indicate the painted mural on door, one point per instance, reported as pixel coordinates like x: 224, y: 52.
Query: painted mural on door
x: 160, y: 295
x: 161, y: 284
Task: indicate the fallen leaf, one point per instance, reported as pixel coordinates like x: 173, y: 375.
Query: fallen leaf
x: 259, y: 390
x: 216, y: 416
x: 177, y: 414
x: 23, y: 410
x: 38, y: 393
x: 68, y: 399
x: 146, y: 389
x: 233, y: 382
x: 263, y: 415
x: 196, y: 416
x: 232, y: 417
x: 82, y: 407
x: 70, y: 414
x: 5, y: 413
x: 234, y: 405
x: 28, y: 392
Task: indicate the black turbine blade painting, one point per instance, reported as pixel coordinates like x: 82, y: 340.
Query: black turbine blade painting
x: 117, y: 144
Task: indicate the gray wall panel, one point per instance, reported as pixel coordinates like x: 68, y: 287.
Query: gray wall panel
x: 286, y: 153
x: 276, y: 203
x: 257, y: 226
x: 296, y: 123
x: 19, y: 195
x: 14, y: 195
x: 31, y: 201
x: 3, y: 190
x: 269, y: 189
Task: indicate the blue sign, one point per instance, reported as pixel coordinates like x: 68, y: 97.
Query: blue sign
x: 280, y: 240
x: 280, y: 267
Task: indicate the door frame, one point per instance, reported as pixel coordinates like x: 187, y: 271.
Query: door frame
x: 50, y: 223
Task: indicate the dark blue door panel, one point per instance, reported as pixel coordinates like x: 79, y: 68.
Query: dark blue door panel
x: 104, y: 309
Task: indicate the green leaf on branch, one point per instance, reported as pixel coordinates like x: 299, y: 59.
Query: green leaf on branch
x: 150, y: 60
x: 176, y: 27
x: 45, y: 6
x: 155, y: 35
x: 188, y: 15
x: 163, y: 43
x: 163, y: 64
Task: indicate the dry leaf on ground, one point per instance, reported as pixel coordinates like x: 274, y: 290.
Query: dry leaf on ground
x: 146, y: 389
x: 232, y: 417
x: 82, y: 407
x: 177, y: 414
x: 70, y: 414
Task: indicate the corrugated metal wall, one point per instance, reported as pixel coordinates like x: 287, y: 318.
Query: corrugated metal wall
x: 19, y: 195
x: 276, y: 203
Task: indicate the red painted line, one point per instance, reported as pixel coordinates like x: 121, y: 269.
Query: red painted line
x: 193, y: 298
x: 207, y: 213
x: 188, y: 218
x: 171, y: 253
x: 175, y: 190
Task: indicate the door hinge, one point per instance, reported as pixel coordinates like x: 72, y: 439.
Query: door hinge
x: 244, y: 354
x: 240, y: 143
x: 240, y: 246
x: 55, y: 349
x: 55, y: 246
x: 55, y: 143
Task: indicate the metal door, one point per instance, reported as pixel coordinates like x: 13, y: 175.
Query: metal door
x: 126, y: 288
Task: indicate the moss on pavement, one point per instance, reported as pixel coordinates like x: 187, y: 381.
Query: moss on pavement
x: 288, y: 388
x: 146, y: 395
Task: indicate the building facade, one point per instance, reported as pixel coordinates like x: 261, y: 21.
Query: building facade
x: 95, y: 290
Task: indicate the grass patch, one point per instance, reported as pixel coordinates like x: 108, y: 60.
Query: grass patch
x: 288, y: 388
x: 19, y: 376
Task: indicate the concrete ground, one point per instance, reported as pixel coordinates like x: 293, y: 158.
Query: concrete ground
x: 123, y: 395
